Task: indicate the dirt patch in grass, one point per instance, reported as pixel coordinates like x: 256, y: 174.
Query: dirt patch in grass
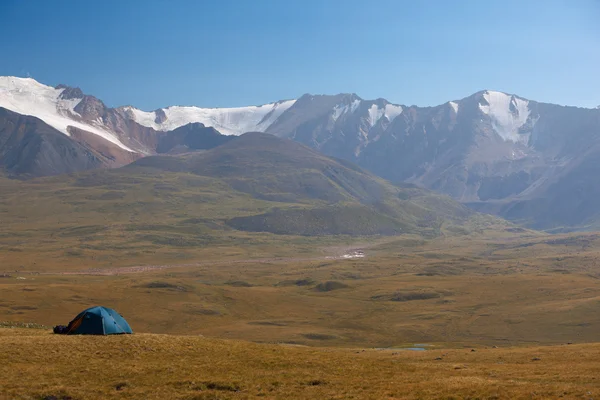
x: 319, y: 336
x: 209, y: 385
x: 407, y: 296
x: 441, y: 270
x: 78, y: 231
x: 23, y: 308
x: 238, y: 284
x: 428, y: 273
x: 27, y: 325
x: 203, y: 311
x: 296, y: 282
x: 110, y: 195
x: 267, y: 323
x: 55, y: 397
x: 164, y: 285
x: 330, y: 286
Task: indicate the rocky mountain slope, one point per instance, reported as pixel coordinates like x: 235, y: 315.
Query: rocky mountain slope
x: 30, y: 147
x: 530, y: 162
x: 494, y: 151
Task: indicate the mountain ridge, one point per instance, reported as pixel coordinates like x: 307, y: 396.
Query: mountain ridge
x: 489, y: 147
x: 75, y: 93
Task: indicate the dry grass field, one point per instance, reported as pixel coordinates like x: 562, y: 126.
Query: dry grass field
x: 219, y: 313
x: 35, y: 364
x: 451, y: 291
x: 323, y: 328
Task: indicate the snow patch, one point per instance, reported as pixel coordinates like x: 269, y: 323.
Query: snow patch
x: 341, y: 109
x: 338, y: 111
x: 507, y: 113
x: 26, y: 96
x: 354, y: 254
x: 346, y: 256
x: 375, y: 114
x: 454, y: 106
x: 228, y: 121
x: 392, y: 111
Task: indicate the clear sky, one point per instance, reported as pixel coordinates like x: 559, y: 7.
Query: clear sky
x: 222, y: 53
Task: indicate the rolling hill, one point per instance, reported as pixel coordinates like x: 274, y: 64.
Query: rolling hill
x: 318, y: 195
x: 239, y: 193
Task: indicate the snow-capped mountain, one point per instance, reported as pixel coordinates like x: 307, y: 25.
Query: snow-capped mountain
x: 228, y: 121
x: 418, y: 144
x: 495, y: 151
x: 58, y: 107
x: 73, y: 127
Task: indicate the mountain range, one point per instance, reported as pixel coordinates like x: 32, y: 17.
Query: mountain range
x: 530, y: 162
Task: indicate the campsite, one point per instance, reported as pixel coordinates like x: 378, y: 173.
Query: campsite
x: 95, y: 321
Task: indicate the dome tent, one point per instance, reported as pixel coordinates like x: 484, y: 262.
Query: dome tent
x: 98, y: 321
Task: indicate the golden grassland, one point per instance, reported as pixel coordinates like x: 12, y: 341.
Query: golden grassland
x: 452, y: 292
x: 279, y: 316
x: 34, y: 364
x: 126, y: 217
x: 53, y: 224
x: 221, y: 313
x: 322, y: 328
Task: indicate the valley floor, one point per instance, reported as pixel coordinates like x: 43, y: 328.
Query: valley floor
x: 319, y: 326
x: 35, y: 364
x: 528, y: 290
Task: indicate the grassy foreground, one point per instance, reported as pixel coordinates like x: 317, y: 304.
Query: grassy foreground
x: 35, y: 364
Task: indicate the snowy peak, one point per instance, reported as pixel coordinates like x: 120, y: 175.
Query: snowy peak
x: 508, y: 113
x: 229, y: 121
x: 235, y: 121
x: 371, y: 110
x: 26, y: 96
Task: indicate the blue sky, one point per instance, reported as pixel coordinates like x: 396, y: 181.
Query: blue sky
x: 230, y: 53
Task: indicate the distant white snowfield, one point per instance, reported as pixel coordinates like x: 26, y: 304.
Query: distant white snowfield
x: 228, y: 121
x: 26, y: 96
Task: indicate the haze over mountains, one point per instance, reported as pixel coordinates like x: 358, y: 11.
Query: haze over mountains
x: 531, y: 162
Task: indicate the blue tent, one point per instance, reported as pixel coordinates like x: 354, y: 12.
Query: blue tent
x: 98, y: 321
